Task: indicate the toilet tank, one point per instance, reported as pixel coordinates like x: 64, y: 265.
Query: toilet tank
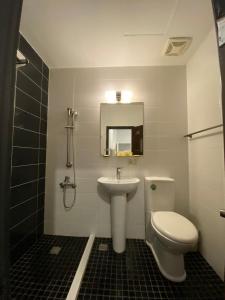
x: 159, y: 194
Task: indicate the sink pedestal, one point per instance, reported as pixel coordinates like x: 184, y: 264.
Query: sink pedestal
x: 118, y: 189
x: 118, y: 222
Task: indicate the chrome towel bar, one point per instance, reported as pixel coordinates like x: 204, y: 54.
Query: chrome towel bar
x: 199, y: 131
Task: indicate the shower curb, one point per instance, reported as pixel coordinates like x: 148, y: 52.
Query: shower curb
x: 75, y: 286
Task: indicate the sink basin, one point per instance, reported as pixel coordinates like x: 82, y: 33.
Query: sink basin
x: 119, y: 186
x: 118, y: 189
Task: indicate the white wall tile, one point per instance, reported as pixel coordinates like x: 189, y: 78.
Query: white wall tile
x: 206, y: 163
x: 163, y: 91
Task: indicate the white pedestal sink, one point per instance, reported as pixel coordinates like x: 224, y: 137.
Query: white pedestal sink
x: 118, y: 190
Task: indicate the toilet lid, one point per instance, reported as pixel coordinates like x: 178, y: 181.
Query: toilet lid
x: 174, y: 226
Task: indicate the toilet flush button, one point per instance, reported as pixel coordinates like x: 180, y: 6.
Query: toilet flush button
x: 153, y: 187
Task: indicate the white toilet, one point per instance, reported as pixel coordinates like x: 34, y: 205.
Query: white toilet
x: 168, y: 234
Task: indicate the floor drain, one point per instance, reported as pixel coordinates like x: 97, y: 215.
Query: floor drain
x: 103, y: 247
x: 55, y: 250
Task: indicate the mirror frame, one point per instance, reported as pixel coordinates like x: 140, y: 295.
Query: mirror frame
x: 120, y: 103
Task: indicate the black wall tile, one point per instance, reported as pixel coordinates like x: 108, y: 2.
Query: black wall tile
x: 44, y: 112
x: 45, y: 84
x: 44, y: 98
x: 27, y: 103
x: 40, y: 230
x: 43, y: 140
x: 28, y: 160
x: 41, y: 200
x: 19, y: 232
x: 40, y: 216
x: 41, y: 186
x: 28, y: 86
x: 42, y: 156
x: 24, y: 156
x: 23, y: 192
x: 22, y: 246
x: 29, y: 52
x: 23, y: 138
x: 42, y: 170
x: 26, y: 120
x: 22, y: 211
x: 24, y: 174
x: 33, y: 73
x: 45, y: 70
x: 43, y: 128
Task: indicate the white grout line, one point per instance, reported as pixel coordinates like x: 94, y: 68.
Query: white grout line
x: 75, y: 286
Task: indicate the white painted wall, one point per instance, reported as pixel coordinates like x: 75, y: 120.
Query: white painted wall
x: 206, y: 164
x: 163, y: 91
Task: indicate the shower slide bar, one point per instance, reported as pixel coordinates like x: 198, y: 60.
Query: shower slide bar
x: 189, y: 135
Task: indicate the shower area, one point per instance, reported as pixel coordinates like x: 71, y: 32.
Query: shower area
x: 49, y: 262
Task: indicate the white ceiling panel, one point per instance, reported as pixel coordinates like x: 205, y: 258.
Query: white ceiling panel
x: 107, y: 33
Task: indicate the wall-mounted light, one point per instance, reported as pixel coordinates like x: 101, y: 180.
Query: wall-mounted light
x: 124, y: 96
x: 110, y: 96
x: 118, y: 96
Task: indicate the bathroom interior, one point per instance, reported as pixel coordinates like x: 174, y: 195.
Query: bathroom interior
x: 117, y: 155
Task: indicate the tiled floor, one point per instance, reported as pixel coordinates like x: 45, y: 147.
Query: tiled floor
x: 134, y: 275
x: 40, y: 275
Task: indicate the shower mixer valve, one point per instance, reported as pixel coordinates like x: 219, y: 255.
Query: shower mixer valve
x: 67, y: 183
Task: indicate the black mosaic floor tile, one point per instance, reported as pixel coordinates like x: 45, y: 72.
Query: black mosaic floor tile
x: 135, y: 275
x: 41, y: 275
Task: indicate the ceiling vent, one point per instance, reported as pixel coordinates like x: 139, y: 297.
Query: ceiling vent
x: 176, y: 46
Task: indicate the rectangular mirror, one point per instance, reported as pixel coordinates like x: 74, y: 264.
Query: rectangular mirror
x: 122, y: 129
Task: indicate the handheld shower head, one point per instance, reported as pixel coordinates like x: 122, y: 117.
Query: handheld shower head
x: 69, y: 111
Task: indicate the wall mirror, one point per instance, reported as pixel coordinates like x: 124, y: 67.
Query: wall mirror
x: 122, y: 129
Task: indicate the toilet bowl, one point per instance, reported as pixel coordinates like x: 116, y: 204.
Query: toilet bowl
x: 168, y: 234
x: 174, y: 235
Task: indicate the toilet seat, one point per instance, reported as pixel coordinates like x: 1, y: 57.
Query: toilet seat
x: 174, y: 226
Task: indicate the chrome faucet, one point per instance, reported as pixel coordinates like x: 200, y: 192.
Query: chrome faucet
x: 118, y: 173
x: 67, y: 183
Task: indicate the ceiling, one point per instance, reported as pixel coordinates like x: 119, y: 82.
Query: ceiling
x: 108, y: 33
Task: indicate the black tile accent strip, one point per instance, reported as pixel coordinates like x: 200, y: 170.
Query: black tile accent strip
x: 29, y: 148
